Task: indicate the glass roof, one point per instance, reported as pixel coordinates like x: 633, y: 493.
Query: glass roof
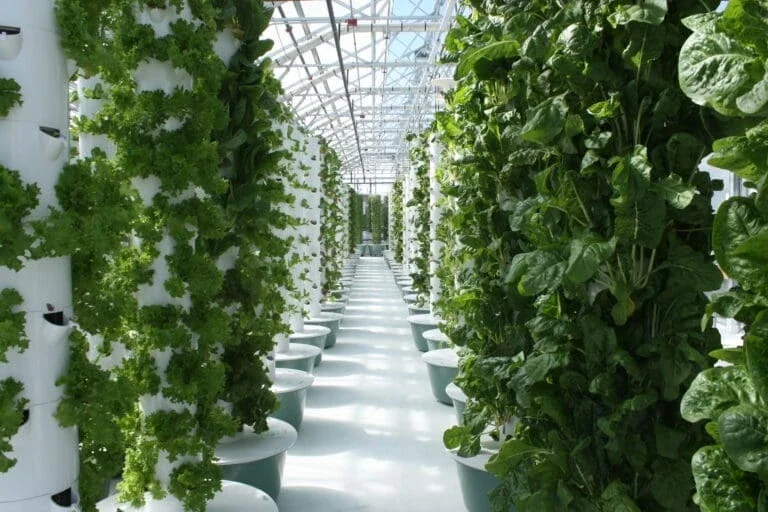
x: 381, y: 81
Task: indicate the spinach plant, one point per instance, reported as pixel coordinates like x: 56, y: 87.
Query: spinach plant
x: 723, y: 65
x: 356, y: 220
x: 611, y: 230
x: 332, y: 223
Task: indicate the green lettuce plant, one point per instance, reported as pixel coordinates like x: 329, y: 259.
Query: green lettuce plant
x: 355, y: 220
x: 610, y: 226
x: 17, y: 200
x: 420, y: 157
x: 396, y: 233
x: 332, y: 218
x: 378, y: 215
x: 723, y: 65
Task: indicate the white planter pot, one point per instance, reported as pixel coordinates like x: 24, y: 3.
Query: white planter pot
x: 46, y: 454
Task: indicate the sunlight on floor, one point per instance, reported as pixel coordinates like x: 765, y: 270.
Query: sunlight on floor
x: 372, y: 434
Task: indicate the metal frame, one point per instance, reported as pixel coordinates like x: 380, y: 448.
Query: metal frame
x: 361, y: 76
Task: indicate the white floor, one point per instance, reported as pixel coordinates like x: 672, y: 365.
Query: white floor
x: 371, y: 440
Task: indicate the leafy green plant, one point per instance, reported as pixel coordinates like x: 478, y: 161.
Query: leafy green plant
x: 420, y: 157
x: 355, y: 220
x: 378, y: 216
x: 607, y: 237
x: 10, y: 95
x: 396, y: 236
x: 17, y: 200
x: 722, y: 65
x: 11, y: 414
x: 332, y: 220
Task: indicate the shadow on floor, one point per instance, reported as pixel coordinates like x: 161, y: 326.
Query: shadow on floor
x: 297, y: 499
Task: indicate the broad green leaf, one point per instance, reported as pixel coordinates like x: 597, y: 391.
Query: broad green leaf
x: 743, y: 431
x: 631, y: 176
x: 576, y: 40
x: 691, y: 270
x: 544, y: 273
x: 615, y: 498
x: 715, y: 390
x: 684, y: 154
x: 511, y: 453
x: 672, y: 483
x: 714, y: 70
x: 652, y: 12
x: 703, y: 22
x: 606, y: 109
x: 729, y: 355
x: 678, y: 194
x: 545, y: 121
x: 668, y: 440
x: 587, y: 254
x: 642, y: 222
x: 721, y: 486
x: 497, y: 50
x: 455, y: 437
x: 737, y: 221
x: 747, y: 21
x: 756, y: 353
x: 754, y: 100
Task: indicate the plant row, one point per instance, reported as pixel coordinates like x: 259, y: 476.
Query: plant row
x: 578, y: 237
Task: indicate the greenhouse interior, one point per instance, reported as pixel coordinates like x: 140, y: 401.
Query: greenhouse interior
x: 384, y: 256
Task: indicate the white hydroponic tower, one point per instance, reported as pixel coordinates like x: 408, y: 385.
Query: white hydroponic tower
x: 34, y: 142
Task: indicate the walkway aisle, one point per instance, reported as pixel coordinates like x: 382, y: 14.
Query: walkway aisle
x: 372, y: 434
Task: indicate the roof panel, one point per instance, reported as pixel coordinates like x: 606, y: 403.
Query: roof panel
x: 389, y: 53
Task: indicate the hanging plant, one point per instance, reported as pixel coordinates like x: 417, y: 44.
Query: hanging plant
x: 396, y: 234
x: 613, y: 249
x: 420, y: 157
x: 722, y: 66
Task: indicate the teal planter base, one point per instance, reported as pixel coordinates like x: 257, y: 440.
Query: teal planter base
x: 419, y: 325
x: 330, y: 320
x: 312, y: 335
x: 257, y: 459
x: 299, y: 357
x: 436, y: 339
x: 333, y: 307
x: 291, y: 388
x: 459, y: 400
x: 442, y: 367
x: 418, y: 310
x: 476, y: 482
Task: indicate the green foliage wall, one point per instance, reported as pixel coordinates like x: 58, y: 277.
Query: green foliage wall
x: 580, y: 249
x: 332, y: 218
x: 378, y: 215
x: 397, y: 213
x: 225, y: 149
x: 420, y: 158
x: 356, y: 220
x: 722, y: 66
